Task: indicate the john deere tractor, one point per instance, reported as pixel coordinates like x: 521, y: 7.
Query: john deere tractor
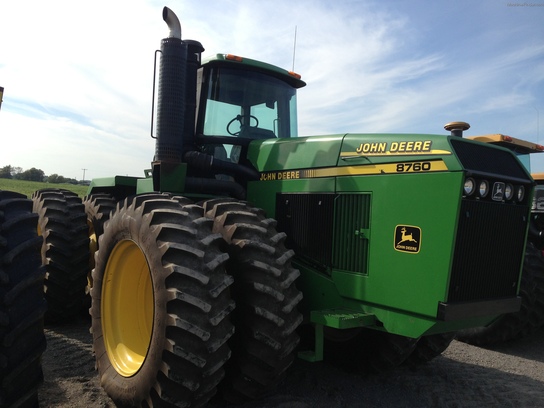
x: 242, y: 232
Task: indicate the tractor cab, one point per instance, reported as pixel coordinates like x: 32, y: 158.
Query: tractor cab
x: 206, y: 114
x: 241, y: 100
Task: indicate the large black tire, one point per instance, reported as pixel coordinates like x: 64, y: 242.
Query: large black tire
x: 430, y: 347
x: 22, y: 303
x: 65, y: 251
x: 160, y: 304
x: 530, y: 317
x: 387, y: 351
x: 367, y: 350
x: 266, y: 315
x: 98, y: 208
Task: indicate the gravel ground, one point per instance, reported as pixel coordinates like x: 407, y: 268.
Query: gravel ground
x: 507, y: 375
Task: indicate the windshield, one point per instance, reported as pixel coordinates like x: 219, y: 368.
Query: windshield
x: 248, y: 104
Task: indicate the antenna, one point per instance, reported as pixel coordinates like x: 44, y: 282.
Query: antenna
x: 294, y: 48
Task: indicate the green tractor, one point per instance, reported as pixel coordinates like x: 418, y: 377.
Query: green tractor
x: 242, y: 233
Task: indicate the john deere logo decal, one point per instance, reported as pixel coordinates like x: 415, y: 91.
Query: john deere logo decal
x: 407, y: 238
x: 498, y: 191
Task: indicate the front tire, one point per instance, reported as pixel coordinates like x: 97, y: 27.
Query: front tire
x: 531, y: 314
x: 266, y: 315
x: 22, y: 303
x: 160, y: 305
x: 429, y: 347
x: 367, y: 350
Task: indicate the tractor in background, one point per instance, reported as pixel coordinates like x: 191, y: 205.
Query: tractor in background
x: 22, y: 303
x: 242, y: 232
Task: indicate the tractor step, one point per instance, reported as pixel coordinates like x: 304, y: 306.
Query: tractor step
x: 337, y: 319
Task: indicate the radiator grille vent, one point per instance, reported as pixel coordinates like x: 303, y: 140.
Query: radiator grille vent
x: 328, y: 230
x: 350, y: 236
x: 487, y: 268
x: 307, y: 219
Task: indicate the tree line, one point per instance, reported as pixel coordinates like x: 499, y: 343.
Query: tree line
x: 34, y: 174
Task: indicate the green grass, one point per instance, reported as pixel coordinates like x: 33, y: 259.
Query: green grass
x: 28, y: 187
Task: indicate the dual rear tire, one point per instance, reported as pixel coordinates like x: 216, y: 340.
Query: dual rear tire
x: 166, y: 274
x: 266, y: 315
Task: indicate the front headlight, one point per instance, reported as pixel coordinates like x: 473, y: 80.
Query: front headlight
x: 484, y: 188
x: 509, y: 192
x: 521, y: 193
x: 470, y: 186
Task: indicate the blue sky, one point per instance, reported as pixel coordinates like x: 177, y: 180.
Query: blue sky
x: 78, y: 75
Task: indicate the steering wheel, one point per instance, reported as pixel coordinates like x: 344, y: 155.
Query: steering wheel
x: 239, y: 119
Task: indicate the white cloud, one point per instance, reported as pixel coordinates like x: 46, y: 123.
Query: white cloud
x: 78, y: 76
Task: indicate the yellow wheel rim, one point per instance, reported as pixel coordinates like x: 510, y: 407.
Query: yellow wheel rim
x: 127, y: 308
x: 93, y: 242
x: 93, y: 247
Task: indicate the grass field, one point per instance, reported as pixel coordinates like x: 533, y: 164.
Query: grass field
x: 28, y: 187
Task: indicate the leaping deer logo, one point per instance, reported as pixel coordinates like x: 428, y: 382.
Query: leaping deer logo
x: 406, y: 237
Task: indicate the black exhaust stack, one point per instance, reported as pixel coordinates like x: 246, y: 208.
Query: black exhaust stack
x: 176, y: 103
x: 175, y: 147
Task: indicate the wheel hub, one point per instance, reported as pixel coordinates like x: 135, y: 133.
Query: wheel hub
x: 127, y: 307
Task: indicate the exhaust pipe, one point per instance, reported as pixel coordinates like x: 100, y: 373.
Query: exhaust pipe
x: 176, y: 100
x: 173, y: 23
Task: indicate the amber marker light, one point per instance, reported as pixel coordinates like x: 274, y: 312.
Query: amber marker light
x: 232, y: 57
x: 297, y: 76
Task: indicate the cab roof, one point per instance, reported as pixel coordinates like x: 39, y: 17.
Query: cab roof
x: 290, y: 77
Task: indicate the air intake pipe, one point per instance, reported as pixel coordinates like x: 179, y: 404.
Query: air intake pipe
x: 457, y: 128
x: 176, y: 102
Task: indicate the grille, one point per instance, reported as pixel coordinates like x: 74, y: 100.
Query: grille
x: 307, y: 219
x: 490, y: 235
x: 327, y: 230
x: 480, y: 158
x: 350, y: 244
x: 488, y: 251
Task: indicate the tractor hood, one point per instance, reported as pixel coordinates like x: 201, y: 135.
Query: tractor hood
x: 346, y: 203
x: 377, y: 153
